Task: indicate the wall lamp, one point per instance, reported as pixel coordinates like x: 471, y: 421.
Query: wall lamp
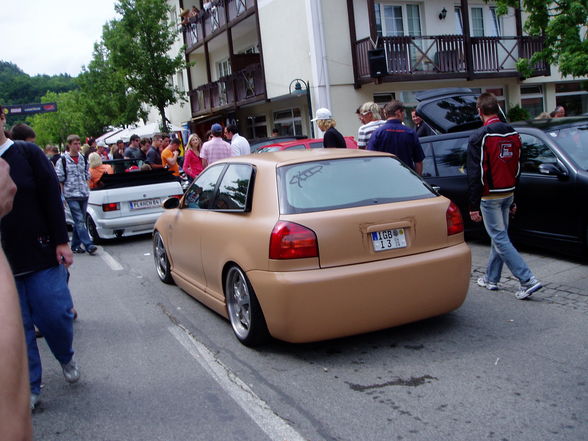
x: 298, y: 90
x: 443, y: 14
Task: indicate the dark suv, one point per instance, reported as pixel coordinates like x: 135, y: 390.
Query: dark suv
x: 552, y: 195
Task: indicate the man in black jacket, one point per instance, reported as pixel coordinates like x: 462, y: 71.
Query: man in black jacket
x: 34, y: 238
x: 493, y: 169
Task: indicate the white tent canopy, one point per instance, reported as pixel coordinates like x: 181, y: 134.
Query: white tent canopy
x: 146, y: 131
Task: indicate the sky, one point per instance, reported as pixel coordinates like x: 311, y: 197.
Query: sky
x: 52, y: 36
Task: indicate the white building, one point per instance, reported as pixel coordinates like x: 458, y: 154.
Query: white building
x: 267, y: 64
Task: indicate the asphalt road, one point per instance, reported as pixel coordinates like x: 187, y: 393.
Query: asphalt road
x: 157, y: 365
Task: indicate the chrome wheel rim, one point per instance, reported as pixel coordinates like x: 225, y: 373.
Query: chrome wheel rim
x: 238, y: 302
x: 161, y: 263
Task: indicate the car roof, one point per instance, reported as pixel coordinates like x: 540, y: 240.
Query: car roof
x: 552, y: 123
x: 285, y: 157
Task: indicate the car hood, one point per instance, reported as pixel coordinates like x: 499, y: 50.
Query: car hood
x: 449, y: 110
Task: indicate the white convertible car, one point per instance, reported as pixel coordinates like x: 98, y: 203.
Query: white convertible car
x: 129, y: 202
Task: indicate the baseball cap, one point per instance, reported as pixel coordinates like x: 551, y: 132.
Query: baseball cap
x: 101, y: 143
x: 216, y: 128
x: 322, y: 113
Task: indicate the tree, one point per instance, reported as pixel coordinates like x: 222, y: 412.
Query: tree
x: 54, y: 127
x: 563, y: 25
x: 139, y: 44
x: 107, y: 99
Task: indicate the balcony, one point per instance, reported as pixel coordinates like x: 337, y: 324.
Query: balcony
x: 215, y: 20
x: 445, y: 57
x: 242, y: 87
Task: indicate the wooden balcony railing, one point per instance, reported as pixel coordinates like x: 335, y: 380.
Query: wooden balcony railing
x: 241, y: 87
x: 444, y: 56
x: 213, y: 20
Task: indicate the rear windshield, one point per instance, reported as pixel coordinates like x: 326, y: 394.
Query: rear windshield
x: 452, y: 114
x: 348, y: 182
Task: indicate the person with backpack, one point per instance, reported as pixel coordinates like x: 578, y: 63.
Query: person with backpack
x: 72, y: 173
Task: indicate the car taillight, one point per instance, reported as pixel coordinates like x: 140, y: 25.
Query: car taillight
x: 454, y: 220
x: 113, y: 206
x: 292, y: 241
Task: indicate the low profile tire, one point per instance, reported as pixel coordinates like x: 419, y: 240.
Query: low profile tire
x: 243, y: 309
x: 91, y: 226
x: 161, y: 261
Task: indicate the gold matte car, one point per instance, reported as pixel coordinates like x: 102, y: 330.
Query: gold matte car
x: 313, y: 245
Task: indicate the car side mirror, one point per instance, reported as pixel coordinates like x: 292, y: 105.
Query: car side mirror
x: 170, y: 203
x: 553, y: 169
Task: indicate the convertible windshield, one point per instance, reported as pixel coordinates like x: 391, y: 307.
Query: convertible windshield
x: 574, y: 141
x: 348, y: 182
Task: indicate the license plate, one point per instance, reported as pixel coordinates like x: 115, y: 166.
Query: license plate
x: 389, y: 239
x: 145, y: 203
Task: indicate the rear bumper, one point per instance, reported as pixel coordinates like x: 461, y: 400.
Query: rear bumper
x: 131, y: 225
x: 304, y: 306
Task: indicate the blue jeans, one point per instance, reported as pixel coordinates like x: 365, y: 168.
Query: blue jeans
x: 80, y: 232
x: 495, y: 213
x: 45, y: 302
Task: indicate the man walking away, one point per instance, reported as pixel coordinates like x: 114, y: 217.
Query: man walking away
x: 493, y: 166
x: 394, y: 137
x: 34, y: 238
x: 215, y: 149
x: 239, y: 145
x: 72, y: 172
x: 370, y: 116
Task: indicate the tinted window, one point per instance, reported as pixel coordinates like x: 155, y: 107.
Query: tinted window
x: 296, y: 147
x: 316, y: 145
x: 574, y: 141
x: 450, y: 156
x: 234, y: 188
x: 343, y: 183
x: 429, y: 161
x: 201, y: 191
x: 534, y: 153
x: 456, y: 113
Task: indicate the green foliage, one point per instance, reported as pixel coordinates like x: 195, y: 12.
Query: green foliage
x: 16, y: 87
x: 517, y: 113
x: 53, y: 128
x: 563, y: 24
x: 138, y: 44
x: 107, y: 99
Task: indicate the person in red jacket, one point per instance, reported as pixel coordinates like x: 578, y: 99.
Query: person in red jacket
x: 192, y: 161
x: 493, y: 165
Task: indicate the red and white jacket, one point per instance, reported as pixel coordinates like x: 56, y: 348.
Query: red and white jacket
x: 493, y: 161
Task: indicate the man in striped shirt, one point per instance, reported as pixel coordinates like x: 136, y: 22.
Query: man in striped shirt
x: 370, y: 117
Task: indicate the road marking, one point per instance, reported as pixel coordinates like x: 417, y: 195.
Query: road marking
x: 257, y: 409
x: 110, y: 261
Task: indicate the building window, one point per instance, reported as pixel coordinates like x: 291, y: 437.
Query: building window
x: 241, y: 6
x: 257, y: 126
x: 532, y: 99
x: 477, y: 22
x: 498, y: 92
x: 383, y: 98
x: 180, y: 82
x: 223, y: 69
x: 288, y: 122
x: 496, y: 30
x: 458, y: 21
x: 573, y: 97
x: 398, y: 20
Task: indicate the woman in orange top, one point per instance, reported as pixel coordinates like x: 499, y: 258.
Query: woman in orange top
x: 97, y: 169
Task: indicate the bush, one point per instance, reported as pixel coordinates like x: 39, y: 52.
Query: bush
x: 517, y: 113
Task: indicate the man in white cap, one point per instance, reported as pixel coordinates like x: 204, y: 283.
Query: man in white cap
x: 326, y: 122
x: 103, y: 150
x: 215, y: 149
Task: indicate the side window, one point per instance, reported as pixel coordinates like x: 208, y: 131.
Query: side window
x: 296, y: 147
x: 534, y: 153
x: 201, y: 191
x: 429, y: 161
x: 316, y: 145
x: 450, y: 156
x: 234, y: 188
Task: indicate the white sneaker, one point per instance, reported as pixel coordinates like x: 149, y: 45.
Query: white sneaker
x: 35, y: 398
x: 488, y: 285
x: 71, y: 371
x: 528, y: 288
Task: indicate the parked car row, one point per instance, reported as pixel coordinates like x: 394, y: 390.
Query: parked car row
x: 303, y: 144
x: 553, y: 186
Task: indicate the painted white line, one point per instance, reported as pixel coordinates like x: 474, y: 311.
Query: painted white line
x: 110, y: 261
x: 257, y: 409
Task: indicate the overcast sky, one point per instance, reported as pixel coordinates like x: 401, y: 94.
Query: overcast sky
x: 52, y: 36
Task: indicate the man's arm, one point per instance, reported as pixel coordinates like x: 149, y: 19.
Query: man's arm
x: 15, y: 413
